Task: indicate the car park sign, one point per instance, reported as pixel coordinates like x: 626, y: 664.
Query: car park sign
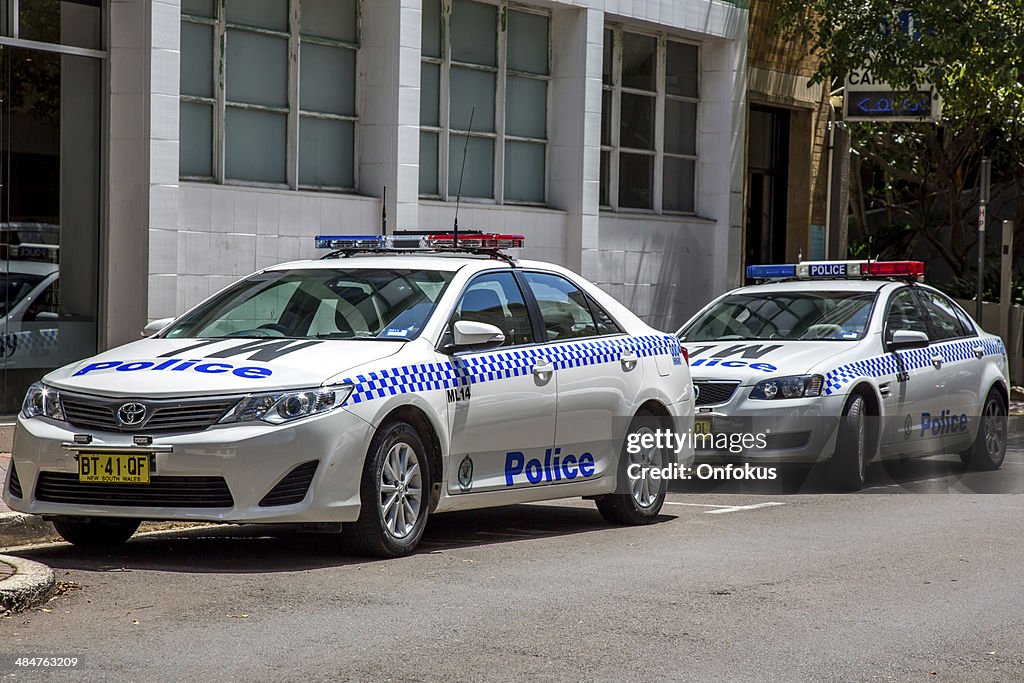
x: 869, y: 98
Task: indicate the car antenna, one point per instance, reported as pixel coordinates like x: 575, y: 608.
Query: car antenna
x: 384, y: 213
x: 462, y: 174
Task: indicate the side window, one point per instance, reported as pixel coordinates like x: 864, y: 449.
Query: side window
x: 965, y: 320
x: 904, y: 314
x: 943, y: 315
x: 562, y: 306
x: 603, y: 321
x: 495, y: 299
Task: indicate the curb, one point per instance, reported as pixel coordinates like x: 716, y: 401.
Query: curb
x: 31, y: 584
x: 18, y: 529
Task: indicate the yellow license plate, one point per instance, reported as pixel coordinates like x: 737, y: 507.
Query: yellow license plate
x: 702, y: 426
x: 114, y: 468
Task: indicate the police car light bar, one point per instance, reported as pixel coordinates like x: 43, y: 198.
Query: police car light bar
x: 814, y: 270
x: 771, y: 272
x: 896, y: 268
x: 422, y: 242
x: 446, y: 240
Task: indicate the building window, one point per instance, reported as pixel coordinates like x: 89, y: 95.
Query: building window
x: 648, y: 122
x: 281, y: 110
x: 484, y: 101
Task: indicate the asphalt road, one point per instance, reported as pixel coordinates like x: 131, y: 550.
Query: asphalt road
x: 746, y: 582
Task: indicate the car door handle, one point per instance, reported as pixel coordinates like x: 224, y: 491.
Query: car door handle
x: 542, y: 368
x: 629, y: 359
x: 937, y: 361
x: 979, y: 351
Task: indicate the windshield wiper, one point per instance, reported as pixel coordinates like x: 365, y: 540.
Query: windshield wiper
x: 358, y: 337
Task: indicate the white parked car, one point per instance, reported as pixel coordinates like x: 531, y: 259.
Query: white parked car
x: 370, y: 389
x: 847, y: 362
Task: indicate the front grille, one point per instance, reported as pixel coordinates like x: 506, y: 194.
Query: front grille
x: 15, y: 486
x: 714, y: 393
x: 171, y: 492
x: 779, y: 442
x: 191, y: 415
x: 292, y: 489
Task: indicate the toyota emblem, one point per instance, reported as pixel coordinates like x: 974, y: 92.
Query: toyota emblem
x: 131, y: 414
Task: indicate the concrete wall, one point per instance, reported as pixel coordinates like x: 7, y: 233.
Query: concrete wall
x: 198, y: 237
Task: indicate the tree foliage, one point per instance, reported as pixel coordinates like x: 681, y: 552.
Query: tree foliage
x: 924, y: 175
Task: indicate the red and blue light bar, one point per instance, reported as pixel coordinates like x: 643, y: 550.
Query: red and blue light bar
x: 420, y: 241
x: 832, y: 270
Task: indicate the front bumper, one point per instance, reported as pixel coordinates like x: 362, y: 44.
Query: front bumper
x: 220, y: 474
x: 794, y: 431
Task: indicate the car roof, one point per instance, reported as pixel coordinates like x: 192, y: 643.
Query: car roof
x: 816, y: 285
x: 43, y: 268
x: 423, y: 261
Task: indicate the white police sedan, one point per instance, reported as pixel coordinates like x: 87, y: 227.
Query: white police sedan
x: 371, y: 388
x: 846, y: 362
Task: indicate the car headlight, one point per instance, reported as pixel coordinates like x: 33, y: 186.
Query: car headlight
x: 285, y: 406
x: 41, y: 400
x: 798, y: 386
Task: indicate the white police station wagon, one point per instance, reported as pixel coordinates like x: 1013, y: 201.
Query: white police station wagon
x: 371, y: 388
x: 847, y: 362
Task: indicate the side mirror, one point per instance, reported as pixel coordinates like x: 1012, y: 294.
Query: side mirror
x: 155, y: 326
x: 908, y: 339
x: 47, y: 315
x: 477, y: 336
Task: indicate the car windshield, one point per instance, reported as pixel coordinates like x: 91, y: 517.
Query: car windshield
x: 318, y: 303
x: 841, y: 316
x: 14, y: 287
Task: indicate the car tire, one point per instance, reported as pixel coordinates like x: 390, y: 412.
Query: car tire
x: 641, y: 501
x: 989, y: 448
x: 95, y: 532
x: 395, y: 486
x: 849, y: 463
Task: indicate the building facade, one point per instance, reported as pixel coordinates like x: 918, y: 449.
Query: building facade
x: 787, y: 146
x: 157, y: 150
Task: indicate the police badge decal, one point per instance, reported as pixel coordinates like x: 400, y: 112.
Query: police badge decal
x: 466, y: 473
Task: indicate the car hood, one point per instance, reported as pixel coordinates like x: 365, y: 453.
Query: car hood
x: 752, y: 361
x: 205, y: 367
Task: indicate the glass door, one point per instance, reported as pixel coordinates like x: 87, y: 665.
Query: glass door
x: 49, y: 214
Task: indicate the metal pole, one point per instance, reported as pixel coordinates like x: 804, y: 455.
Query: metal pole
x: 1006, y: 283
x: 984, y: 181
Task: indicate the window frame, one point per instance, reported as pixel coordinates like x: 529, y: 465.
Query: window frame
x: 444, y: 130
x: 662, y: 97
x: 292, y: 111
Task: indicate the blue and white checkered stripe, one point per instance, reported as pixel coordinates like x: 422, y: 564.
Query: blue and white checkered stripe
x: 28, y: 340
x: 881, y: 366
x: 501, y: 365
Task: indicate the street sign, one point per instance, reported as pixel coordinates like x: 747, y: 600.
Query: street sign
x: 869, y: 98
x: 873, y: 105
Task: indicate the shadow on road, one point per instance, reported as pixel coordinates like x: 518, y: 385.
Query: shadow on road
x: 279, y: 548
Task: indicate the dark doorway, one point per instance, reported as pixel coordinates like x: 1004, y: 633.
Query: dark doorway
x: 767, y: 184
